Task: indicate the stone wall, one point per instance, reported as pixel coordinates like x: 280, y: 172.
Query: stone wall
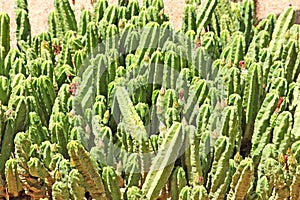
x: 263, y: 7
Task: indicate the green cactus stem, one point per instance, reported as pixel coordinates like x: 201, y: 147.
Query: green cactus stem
x: 5, y: 32
x: 23, y: 26
x: 86, y: 166
x: 178, y: 181
x: 163, y: 162
x: 111, y: 183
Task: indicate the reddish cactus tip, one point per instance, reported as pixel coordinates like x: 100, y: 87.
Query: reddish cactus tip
x: 286, y: 157
x: 198, y: 44
x: 242, y: 64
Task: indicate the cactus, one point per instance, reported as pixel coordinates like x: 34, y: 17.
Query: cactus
x: 199, y: 192
x: 241, y: 179
x: 132, y: 168
x: 7, y: 141
x: 76, y: 184
x: 111, y: 15
x: 134, y: 193
x: 220, y: 168
x: 60, y: 191
x: 133, y: 124
x: 204, y: 14
x: 283, y: 23
x: 189, y: 18
x: 162, y: 166
x: 192, y: 158
x: 12, y: 178
x: 133, y: 8
x: 106, y: 111
x: 85, y: 18
x: 23, y: 26
x: 5, y: 32
x: 251, y: 97
x: 260, y: 134
x: 66, y: 16
x: 282, y: 132
x: 85, y: 165
x: 111, y: 183
x: 185, y: 193
x: 178, y: 181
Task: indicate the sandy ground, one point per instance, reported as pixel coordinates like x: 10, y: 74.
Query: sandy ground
x: 39, y: 10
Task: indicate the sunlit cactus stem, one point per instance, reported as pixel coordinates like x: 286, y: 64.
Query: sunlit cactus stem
x: 5, y: 31
x: 23, y: 26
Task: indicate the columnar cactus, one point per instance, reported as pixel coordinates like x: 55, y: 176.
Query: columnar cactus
x: 12, y: 177
x: 162, y: 165
x: 189, y: 18
x: 178, y: 181
x: 111, y: 112
x: 283, y: 23
x: 242, y: 179
x: 5, y: 33
x: 111, y: 183
x: 204, y: 14
x: 23, y: 26
x: 261, y: 134
x: 192, y: 158
x: 85, y: 165
x: 220, y: 172
x: 66, y: 16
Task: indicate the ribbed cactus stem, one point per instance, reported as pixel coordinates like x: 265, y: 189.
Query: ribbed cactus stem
x: 133, y: 124
x: 204, y: 14
x: 134, y: 193
x: 189, y: 18
x: 192, y: 157
x: 66, y: 15
x: 111, y: 183
x: 12, y: 178
x: 76, y: 184
x: 242, y: 179
x: 5, y: 32
x: 178, y: 181
x: 163, y: 162
x: 23, y: 26
x: 283, y: 23
x: 86, y: 166
x: 260, y: 134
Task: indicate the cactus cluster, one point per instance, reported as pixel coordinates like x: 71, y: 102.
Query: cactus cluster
x: 119, y: 105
